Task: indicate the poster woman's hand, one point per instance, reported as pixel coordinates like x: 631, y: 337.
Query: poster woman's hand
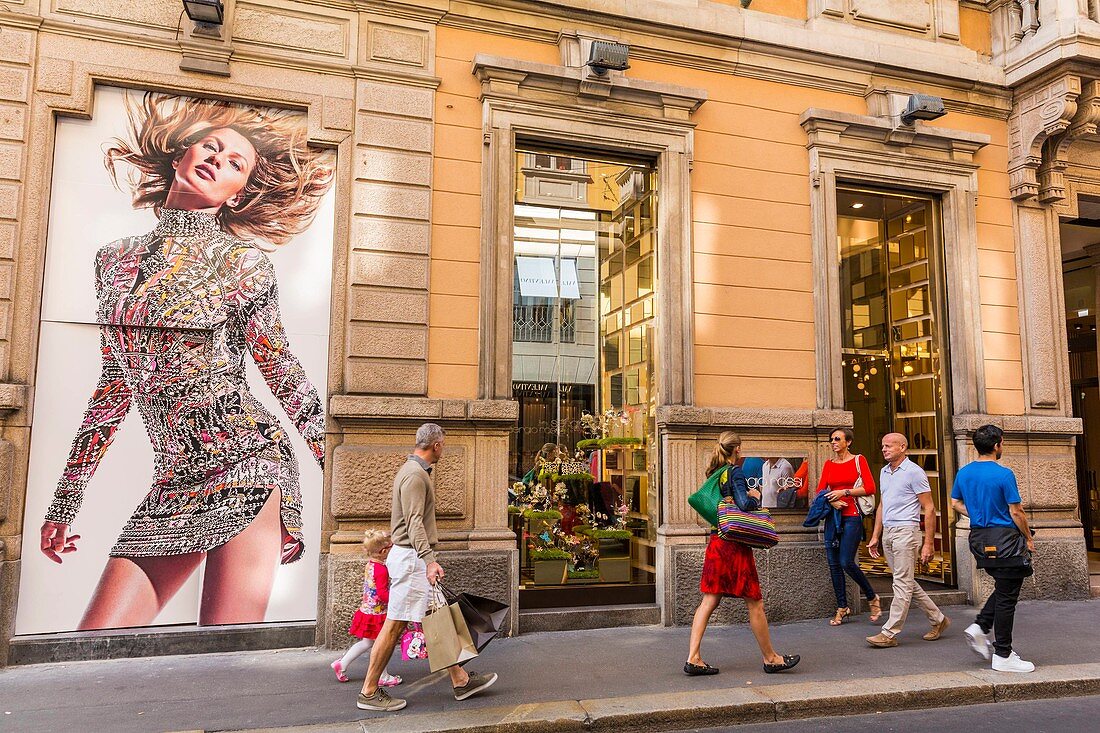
x: 56, y: 540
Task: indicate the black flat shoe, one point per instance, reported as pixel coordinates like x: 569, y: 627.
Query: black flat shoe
x: 789, y: 660
x: 696, y: 670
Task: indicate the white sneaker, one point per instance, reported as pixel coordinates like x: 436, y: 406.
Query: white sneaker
x: 979, y: 640
x: 1011, y: 663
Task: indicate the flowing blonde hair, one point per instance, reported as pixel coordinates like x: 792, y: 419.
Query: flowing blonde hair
x: 283, y: 191
x: 374, y: 540
x: 724, y: 449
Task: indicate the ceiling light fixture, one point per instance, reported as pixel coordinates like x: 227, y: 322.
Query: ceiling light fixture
x: 857, y: 205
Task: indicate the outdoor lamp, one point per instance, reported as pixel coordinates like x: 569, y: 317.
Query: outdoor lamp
x: 211, y: 12
x: 922, y: 107
x: 606, y: 55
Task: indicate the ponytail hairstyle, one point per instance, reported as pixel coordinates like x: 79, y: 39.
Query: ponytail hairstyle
x: 724, y: 449
x: 374, y: 540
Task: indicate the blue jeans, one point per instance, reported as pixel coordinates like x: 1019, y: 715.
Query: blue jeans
x: 842, y: 558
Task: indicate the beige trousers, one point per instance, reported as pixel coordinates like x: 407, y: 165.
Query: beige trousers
x: 902, y: 546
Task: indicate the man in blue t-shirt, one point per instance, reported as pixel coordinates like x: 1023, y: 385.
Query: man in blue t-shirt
x: 986, y: 492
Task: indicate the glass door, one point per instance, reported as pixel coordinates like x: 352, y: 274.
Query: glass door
x: 893, y: 360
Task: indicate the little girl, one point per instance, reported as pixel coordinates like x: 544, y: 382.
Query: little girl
x: 371, y: 614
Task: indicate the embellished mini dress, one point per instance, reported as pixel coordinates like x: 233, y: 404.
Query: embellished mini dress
x: 371, y: 614
x: 179, y: 309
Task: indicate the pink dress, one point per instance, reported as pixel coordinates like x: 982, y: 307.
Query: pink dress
x: 371, y: 614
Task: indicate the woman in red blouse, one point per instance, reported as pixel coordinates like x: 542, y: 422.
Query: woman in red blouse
x: 838, y: 478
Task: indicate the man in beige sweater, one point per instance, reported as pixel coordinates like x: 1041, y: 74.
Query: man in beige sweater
x: 413, y: 570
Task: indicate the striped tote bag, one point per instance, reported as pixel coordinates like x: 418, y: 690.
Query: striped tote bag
x: 755, y: 529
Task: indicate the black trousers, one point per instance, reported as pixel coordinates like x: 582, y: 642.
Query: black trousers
x: 1000, y: 609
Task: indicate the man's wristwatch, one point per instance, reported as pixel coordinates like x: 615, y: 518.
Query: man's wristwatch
x: 847, y: 492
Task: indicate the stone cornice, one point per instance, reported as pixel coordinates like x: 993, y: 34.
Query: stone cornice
x: 505, y: 78
x: 1052, y: 425
x: 692, y: 418
x: 821, y: 54
x: 365, y: 408
x: 829, y: 128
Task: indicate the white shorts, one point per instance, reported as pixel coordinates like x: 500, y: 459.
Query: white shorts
x: 409, y: 586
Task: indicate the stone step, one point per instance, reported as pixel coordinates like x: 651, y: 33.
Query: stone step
x: 946, y: 597
x: 588, y: 617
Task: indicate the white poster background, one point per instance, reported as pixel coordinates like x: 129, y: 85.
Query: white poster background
x: 570, y: 290
x: 86, y: 212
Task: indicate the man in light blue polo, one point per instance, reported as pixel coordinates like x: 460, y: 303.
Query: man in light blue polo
x: 906, y: 496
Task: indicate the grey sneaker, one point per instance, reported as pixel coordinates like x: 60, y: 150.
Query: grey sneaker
x: 381, y: 701
x: 476, y: 684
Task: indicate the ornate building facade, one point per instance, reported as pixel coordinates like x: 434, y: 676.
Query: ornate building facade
x: 743, y: 229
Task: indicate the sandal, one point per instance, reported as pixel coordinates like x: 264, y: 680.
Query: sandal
x: 696, y: 670
x: 339, y: 670
x: 838, y: 618
x: 789, y: 660
x: 876, y: 609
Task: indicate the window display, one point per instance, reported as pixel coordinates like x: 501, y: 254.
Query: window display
x: 583, y: 500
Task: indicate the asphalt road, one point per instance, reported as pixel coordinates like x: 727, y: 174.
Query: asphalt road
x: 1064, y: 715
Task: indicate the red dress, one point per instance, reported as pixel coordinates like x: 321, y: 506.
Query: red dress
x: 729, y: 569
x: 371, y: 614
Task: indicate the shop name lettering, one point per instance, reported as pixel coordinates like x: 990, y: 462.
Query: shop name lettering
x: 538, y: 280
x: 779, y: 483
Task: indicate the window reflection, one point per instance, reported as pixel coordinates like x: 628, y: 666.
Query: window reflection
x: 583, y: 498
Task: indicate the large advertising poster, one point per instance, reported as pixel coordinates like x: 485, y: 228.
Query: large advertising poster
x: 178, y: 422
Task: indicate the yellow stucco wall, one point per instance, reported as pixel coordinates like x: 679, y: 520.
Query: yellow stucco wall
x: 974, y: 30
x: 753, y: 286
x: 786, y: 8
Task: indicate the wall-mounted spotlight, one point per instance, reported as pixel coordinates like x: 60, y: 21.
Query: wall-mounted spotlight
x: 211, y: 12
x: 606, y: 55
x: 922, y: 107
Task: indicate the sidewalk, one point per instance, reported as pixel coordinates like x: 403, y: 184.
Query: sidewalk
x: 628, y: 679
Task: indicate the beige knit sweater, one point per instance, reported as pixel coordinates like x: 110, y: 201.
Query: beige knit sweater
x: 412, y: 519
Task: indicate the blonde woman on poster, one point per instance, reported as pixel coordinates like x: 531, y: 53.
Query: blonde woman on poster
x: 178, y: 309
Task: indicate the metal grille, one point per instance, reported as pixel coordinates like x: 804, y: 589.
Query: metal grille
x: 532, y: 322
x: 568, y: 316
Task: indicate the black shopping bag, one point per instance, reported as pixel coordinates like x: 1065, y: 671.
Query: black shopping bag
x: 483, y: 616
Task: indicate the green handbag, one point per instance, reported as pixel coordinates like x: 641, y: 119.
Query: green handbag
x: 705, y: 500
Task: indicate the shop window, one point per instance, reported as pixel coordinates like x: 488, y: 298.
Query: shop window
x: 583, y: 499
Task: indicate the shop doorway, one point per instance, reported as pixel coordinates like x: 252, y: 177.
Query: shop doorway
x: 893, y: 359
x: 1079, y: 237
x: 583, y: 497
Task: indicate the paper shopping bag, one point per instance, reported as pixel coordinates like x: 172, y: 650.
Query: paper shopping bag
x: 484, y: 616
x: 447, y: 637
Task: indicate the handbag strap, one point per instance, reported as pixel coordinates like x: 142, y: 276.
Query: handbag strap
x: 859, y: 473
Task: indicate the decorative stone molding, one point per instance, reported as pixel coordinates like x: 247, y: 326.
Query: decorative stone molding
x: 553, y: 104
x: 514, y: 78
x: 686, y: 416
x: 359, y: 408
x: 1041, y: 115
x: 1034, y: 425
x: 875, y: 151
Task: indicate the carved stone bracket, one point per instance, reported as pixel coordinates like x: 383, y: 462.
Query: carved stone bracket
x: 1045, y: 122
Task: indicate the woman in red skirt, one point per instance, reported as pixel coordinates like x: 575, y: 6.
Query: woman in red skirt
x: 729, y: 569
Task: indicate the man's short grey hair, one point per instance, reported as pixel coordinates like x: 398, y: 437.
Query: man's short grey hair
x: 428, y: 434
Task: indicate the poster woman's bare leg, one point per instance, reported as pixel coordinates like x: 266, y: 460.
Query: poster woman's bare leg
x: 239, y: 574
x: 133, y: 590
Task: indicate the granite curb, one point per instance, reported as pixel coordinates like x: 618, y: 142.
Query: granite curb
x: 733, y: 706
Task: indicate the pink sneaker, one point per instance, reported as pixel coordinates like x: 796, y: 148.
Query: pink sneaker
x: 339, y: 670
x: 389, y: 680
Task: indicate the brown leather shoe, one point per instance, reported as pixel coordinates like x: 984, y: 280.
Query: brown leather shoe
x: 937, y: 630
x: 882, y: 641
